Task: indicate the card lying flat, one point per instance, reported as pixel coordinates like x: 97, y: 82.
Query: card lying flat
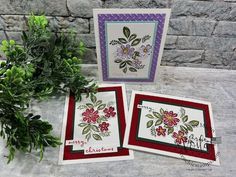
x: 93, y: 128
x: 167, y: 125
x: 130, y: 43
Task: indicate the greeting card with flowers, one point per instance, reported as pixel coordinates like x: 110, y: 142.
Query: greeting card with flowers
x: 130, y: 43
x: 93, y: 128
x: 172, y: 126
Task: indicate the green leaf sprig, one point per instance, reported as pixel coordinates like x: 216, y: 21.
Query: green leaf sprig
x: 46, y: 64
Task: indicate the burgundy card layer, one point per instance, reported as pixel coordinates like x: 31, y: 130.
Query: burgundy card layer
x: 93, y: 128
x: 172, y: 126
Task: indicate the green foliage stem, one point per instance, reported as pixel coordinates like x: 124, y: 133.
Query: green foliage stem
x: 45, y: 65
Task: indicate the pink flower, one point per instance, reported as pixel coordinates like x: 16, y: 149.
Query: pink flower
x: 125, y: 52
x: 90, y: 115
x: 104, y: 126
x: 179, y: 137
x: 170, y: 118
x: 109, y: 112
x: 161, y: 131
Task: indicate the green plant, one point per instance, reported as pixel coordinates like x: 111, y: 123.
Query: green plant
x: 45, y: 65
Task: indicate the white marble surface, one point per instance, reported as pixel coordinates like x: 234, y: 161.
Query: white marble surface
x: 216, y: 86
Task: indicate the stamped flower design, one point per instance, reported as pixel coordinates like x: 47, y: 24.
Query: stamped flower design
x: 109, y: 112
x: 179, y: 137
x: 168, y: 123
x: 90, y: 116
x: 170, y: 118
x: 161, y: 131
x: 104, y: 126
x: 95, y: 119
x: 131, y: 50
x: 125, y: 51
x: 137, y: 64
x: 145, y: 50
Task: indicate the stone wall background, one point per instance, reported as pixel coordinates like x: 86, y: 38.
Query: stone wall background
x: 202, y: 33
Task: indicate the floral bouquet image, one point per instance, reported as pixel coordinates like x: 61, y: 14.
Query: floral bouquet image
x: 164, y: 123
x: 95, y: 118
x: 131, y: 51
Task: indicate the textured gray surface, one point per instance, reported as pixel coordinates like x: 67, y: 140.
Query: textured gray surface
x: 216, y: 86
x: 202, y: 33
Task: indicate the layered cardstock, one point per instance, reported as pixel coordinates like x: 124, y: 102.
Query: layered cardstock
x: 172, y: 126
x: 93, y: 128
x: 130, y: 43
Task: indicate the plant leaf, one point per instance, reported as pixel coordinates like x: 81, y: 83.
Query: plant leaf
x: 86, y: 129
x: 97, y: 137
x: 149, y: 123
x: 122, y: 40
x: 170, y: 130
x: 158, y: 122
x: 94, y: 128
x: 132, y: 69
x: 36, y: 117
x: 82, y: 124
x: 145, y: 38
x: 157, y: 115
x: 135, y: 42
x: 166, y: 126
x: 129, y: 62
x: 183, y: 128
x: 102, y: 106
x: 132, y: 37
x: 99, y: 120
x: 114, y: 42
x: 182, y: 111
x: 123, y: 64
x: 98, y: 102
x: 126, y: 32
x: 194, y: 123
x: 89, y: 105
x: 104, y: 134
x: 189, y: 127
x: 93, y: 98
x: 125, y: 70
x: 81, y: 107
x: 88, y: 136
x: 162, y: 111
x: 118, y: 60
x: 185, y: 118
x: 103, y: 118
x: 24, y: 36
x: 150, y: 116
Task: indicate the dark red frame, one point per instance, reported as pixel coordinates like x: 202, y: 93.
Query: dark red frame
x: 75, y: 155
x: 133, y: 140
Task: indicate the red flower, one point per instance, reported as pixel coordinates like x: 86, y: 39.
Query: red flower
x: 103, y: 126
x: 170, y: 118
x: 161, y: 131
x: 90, y: 115
x: 179, y: 137
x: 109, y: 112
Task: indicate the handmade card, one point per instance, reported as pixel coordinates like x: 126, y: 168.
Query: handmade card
x: 172, y: 126
x: 130, y: 43
x: 93, y: 128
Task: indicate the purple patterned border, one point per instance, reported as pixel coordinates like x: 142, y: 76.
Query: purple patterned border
x: 102, y: 18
